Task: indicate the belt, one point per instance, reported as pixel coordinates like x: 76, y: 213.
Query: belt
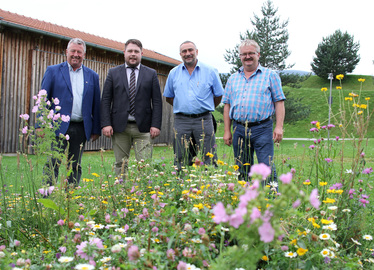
x: 194, y: 115
x: 252, y: 124
x: 131, y: 121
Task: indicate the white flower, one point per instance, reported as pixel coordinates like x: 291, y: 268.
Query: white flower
x: 105, y: 259
x: 2, y: 254
x: 349, y: 171
x: 225, y: 229
x: 116, y: 248
x: 324, y: 236
x: 97, y: 227
x: 332, y: 207
x: 331, y: 227
x: 192, y: 267
x: 327, y: 253
x: 84, y: 266
x: 198, y: 241
x: 290, y: 254
x: 273, y: 184
x: 346, y: 210
x: 120, y: 230
x: 356, y: 242
x: 368, y: 237
x: 64, y: 259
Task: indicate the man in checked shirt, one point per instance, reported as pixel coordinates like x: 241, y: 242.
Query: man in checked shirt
x: 252, y: 95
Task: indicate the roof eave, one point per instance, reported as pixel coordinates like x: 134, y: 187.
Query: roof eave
x: 22, y: 27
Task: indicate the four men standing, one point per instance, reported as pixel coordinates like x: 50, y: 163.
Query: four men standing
x: 131, y: 106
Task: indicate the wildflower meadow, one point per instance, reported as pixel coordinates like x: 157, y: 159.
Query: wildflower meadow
x: 317, y: 216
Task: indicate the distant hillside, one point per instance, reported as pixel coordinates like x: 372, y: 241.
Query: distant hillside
x: 349, y: 82
x: 298, y: 72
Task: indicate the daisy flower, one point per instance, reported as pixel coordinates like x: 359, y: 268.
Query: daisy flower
x: 331, y: 227
x: 356, y: 242
x: 64, y: 259
x: 327, y: 253
x: 324, y: 236
x: 84, y: 266
x: 368, y: 237
x: 290, y: 254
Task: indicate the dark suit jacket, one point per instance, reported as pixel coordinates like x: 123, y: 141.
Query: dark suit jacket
x: 115, y: 104
x: 56, y: 82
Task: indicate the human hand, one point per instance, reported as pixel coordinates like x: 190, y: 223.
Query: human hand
x: 155, y: 132
x: 94, y: 137
x: 227, y: 138
x: 277, y: 135
x: 107, y: 131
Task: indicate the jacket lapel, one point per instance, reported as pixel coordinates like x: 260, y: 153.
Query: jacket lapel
x: 65, y: 74
x: 86, y: 79
x: 140, y: 79
x: 124, y: 81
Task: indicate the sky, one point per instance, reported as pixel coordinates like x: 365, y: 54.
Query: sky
x: 214, y: 26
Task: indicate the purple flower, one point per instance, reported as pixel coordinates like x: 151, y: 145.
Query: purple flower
x: 133, y: 253
x: 336, y: 186
x: 328, y: 160
x: 313, y: 130
x: 314, y: 122
x: 367, y: 170
x: 219, y: 212
x: 313, y: 198
x: 296, y: 204
x: 266, y: 232
x: 286, y: 178
x: 312, y: 146
x: 337, y: 138
x: 330, y: 126
x: 261, y: 169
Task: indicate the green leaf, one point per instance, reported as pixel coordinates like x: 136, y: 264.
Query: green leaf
x: 51, y: 204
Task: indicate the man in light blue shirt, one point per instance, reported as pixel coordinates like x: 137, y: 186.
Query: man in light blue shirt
x: 252, y: 95
x: 194, y: 90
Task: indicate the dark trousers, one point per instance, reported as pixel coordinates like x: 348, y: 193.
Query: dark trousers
x: 76, y: 145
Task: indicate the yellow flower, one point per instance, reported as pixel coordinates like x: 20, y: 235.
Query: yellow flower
x: 185, y: 191
x: 339, y: 88
x: 328, y: 200
x: 209, y: 155
x: 265, y: 258
x: 293, y: 242
x: 353, y: 94
x: 246, y: 164
x: 360, y: 112
x: 361, y: 80
x: 348, y: 98
x: 316, y: 225
x: 311, y: 219
x: 301, y: 251
x: 104, y: 202
x: 220, y: 162
x: 236, y: 167
x: 322, y: 184
x: 367, y: 98
x: 95, y: 174
x: 200, y: 205
x: 323, y: 89
x: 318, y: 125
x: 306, y: 183
x: 355, y: 105
x: 340, y: 77
x: 326, y: 221
x: 363, y: 106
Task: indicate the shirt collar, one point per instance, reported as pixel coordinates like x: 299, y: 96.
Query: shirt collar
x: 71, y: 68
x: 259, y: 68
x: 197, y: 65
x: 137, y: 67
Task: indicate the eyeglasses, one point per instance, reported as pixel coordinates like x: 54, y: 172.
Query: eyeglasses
x: 248, y: 54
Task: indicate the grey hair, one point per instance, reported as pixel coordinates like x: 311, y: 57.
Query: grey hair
x: 77, y: 41
x: 187, y: 41
x: 250, y: 42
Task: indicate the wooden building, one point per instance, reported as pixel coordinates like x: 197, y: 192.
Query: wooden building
x: 28, y: 46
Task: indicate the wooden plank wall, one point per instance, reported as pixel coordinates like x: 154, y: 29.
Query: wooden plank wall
x: 24, y: 57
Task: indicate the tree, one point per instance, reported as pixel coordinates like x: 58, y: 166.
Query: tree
x: 337, y: 54
x: 271, y: 35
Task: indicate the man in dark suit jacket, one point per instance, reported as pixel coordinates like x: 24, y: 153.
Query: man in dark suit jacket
x: 131, y: 107
x: 78, y: 91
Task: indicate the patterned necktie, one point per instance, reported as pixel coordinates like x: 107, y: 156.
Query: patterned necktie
x: 132, y: 92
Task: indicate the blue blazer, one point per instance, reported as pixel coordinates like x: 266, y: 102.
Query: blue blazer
x: 56, y: 82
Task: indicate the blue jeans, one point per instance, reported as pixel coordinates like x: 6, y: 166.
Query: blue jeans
x: 248, y: 140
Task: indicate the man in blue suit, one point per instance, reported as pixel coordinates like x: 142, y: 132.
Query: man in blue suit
x: 77, y: 88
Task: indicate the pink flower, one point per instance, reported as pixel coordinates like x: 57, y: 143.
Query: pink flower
x: 201, y: 231
x: 256, y: 214
x: 260, y: 169
x: 170, y: 254
x: 56, y: 117
x: 286, y: 178
x: 284, y: 248
x: 133, y: 253
x: 107, y: 218
x: 296, y: 204
x: 328, y: 160
x: 219, y: 212
x: 67, y: 137
x: 312, y: 146
x: 35, y: 109
x: 61, y: 222
x: 337, y: 138
x: 313, y: 130
x: 249, y: 195
x: 17, y: 243
x: 182, y: 266
x: 56, y: 101
x: 266, y: 232
x: 62, y: 249
x: 24, y: 130
x: 25, y: 116
x: 65, y: 118
x: 313, y: 198
x: 314, y: 122
x: 236, y: 219
x: 367, y: 170
x: 230, y: 186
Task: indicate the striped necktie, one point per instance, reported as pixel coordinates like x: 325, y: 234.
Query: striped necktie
x: 132, y: 92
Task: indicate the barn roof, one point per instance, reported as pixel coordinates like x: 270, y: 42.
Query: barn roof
x: 19, y: 21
